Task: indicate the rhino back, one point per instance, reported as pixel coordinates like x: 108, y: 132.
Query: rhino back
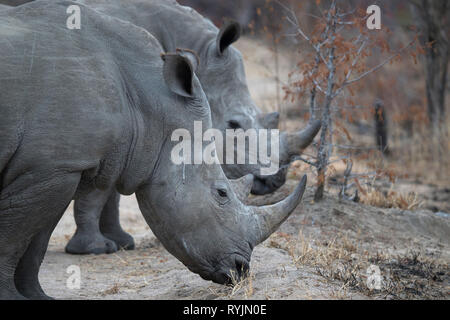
x: 64, y: 99
x: 174, y: 26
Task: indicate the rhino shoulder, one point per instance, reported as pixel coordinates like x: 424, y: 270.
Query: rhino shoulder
x: 191, y: 13
x: 78, y: 78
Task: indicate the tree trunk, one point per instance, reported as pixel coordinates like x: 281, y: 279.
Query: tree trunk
x: 326, y: 136
x: 381, y: 130
x: 433, y: 19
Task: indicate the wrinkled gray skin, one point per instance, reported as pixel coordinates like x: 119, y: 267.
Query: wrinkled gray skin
x: 91, y: 109
x: 221, y: 72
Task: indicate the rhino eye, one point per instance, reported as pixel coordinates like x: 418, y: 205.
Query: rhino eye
x: 233, y: 124
x: 222, y: 193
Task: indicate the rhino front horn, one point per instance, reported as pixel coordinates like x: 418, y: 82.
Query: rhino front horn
x: 269, y: 218
x: 298, y: 141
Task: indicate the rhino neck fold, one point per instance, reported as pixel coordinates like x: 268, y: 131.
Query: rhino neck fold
x: 134, y: 171
x: 146, y: 138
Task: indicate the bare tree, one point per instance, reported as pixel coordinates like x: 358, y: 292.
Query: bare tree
x: 433, y: 18
x: 341, y: 45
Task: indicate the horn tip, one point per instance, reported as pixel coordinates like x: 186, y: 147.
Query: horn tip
x: 316, y: 125
x: 307, y: 135
x: 300, y: 190
x: 303, y: 180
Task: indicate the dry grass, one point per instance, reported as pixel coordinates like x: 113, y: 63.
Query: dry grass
x: 239, y: 288
x: 409, y: 276
x: 245, y: 284
x: 113, y: 290
x: 390, y: 199
x: 422, y: 155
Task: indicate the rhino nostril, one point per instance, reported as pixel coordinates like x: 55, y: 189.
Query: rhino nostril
x: 226, y: 279
x: 233, y: 124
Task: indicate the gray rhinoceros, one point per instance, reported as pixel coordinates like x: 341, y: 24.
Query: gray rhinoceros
x: 221, y: 72
x: 93, y: 108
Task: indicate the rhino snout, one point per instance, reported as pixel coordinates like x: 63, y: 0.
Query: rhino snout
x: 230, y: 271
x: 267, y: 184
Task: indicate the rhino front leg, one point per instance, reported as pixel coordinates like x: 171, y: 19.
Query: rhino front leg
x: 26, y: 274
x: 30, y: 208
x: 8, y: 262
x: 87, y: 238
x: 110, y: 223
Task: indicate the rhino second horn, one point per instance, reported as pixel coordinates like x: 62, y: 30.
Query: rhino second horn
x: 242, y: 186
x: 300, y: 140
x: 270, y: 120
x: 269, y: 218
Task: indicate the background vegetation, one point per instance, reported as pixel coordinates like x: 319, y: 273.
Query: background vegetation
x: 382, y: 94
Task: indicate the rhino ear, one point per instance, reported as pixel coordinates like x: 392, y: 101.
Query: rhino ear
x: 178, y: 74
x: 228, y: 34
x: 191, y: 55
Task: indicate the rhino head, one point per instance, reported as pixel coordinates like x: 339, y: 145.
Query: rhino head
x: 220, y: 69
x: 192, y: 208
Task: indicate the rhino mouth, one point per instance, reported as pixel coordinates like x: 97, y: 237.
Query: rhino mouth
x: 236, y: 269
x: 269, y: 184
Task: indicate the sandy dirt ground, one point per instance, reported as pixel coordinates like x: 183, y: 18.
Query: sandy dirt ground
x: 149, y: 272
x: 331, y: 250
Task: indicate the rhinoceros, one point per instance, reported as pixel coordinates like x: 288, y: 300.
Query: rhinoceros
x: 92, y: 108
x: 220, y: 69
